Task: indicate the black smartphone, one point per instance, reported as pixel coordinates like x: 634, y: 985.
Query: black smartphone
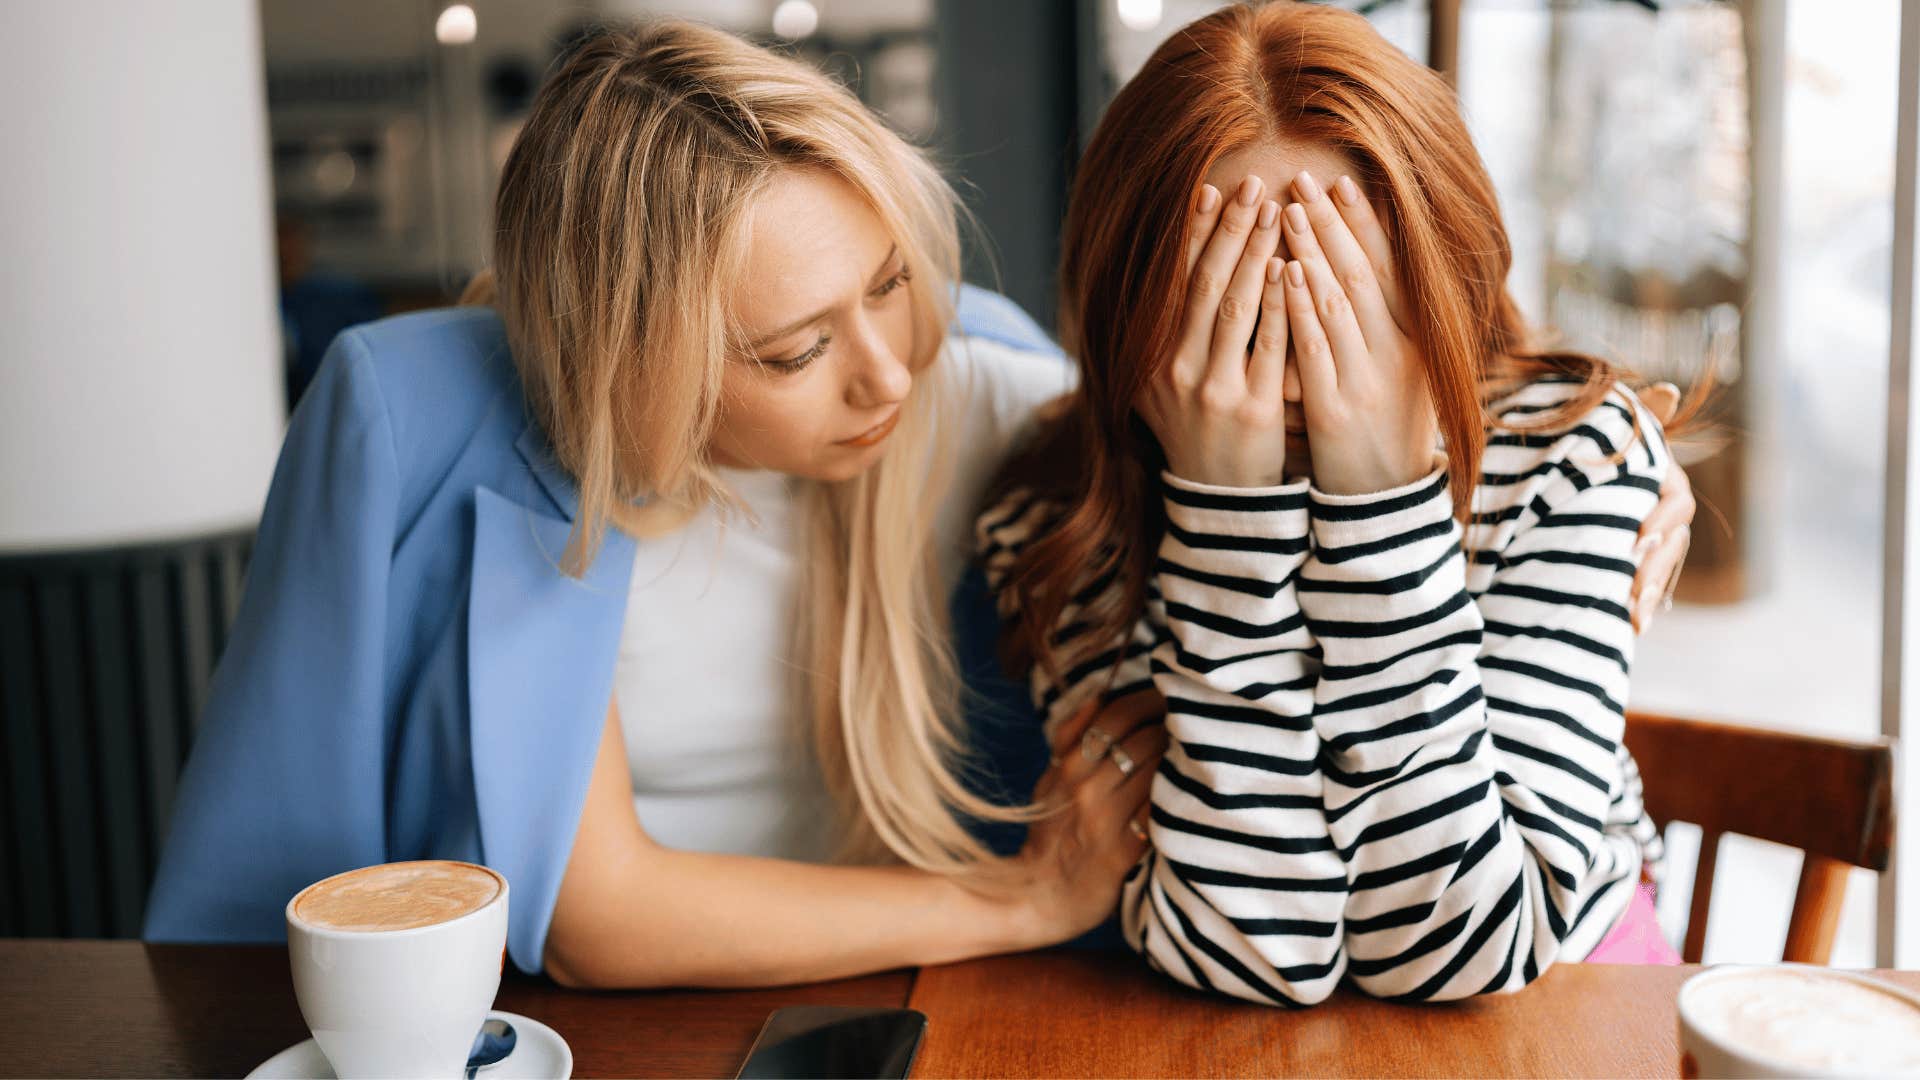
x: 805, y: 1041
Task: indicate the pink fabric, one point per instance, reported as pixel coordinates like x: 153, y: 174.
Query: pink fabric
x: 1636, y: 938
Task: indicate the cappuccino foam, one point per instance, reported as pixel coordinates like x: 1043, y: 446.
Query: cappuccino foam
x: 396, y: 896
x: 1805, y: 1018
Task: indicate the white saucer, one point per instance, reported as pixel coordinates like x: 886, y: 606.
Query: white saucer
x: 539, y: 1053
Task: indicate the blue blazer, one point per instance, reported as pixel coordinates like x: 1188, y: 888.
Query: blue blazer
x: 410, y: 674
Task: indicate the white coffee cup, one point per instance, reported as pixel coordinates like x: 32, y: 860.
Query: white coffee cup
x: 403, y: 991
x: 1796, y: 1020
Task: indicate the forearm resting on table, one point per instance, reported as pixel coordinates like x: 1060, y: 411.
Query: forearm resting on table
x: 632, y: 913
x: 694, y: 919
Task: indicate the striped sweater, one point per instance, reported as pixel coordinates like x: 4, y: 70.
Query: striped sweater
x: 1395, y: 757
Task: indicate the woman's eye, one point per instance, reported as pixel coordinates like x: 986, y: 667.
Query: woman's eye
x: 893, y: 283
x: 793, y: 364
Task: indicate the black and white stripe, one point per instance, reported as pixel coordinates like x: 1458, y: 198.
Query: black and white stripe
x: 1389, y: 762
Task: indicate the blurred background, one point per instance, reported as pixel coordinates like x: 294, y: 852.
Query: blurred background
x: 198, y: 197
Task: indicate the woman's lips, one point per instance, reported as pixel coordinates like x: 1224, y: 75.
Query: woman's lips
x: 875, y: 433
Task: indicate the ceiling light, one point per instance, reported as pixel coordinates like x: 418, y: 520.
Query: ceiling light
x: 1138, y: 14
x: 457, y: 25
x: 795, y: 19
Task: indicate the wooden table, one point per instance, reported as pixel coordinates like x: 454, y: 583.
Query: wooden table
x: 1102, y: 1015
x: 120, y: 1008
x: 103, y: 1008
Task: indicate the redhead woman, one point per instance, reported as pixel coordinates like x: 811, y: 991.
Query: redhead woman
x: 631, y: 583
x: 1374, y: 542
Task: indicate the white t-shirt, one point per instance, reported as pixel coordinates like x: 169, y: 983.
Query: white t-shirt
x: 717, y: 738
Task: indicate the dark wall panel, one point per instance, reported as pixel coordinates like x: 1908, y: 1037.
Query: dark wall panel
x: 1010, y: 87
x: 104, y: 662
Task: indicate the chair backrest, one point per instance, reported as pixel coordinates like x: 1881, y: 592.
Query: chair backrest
x: 1831, y: 798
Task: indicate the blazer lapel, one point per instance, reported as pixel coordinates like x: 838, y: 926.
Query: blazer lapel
x: 541, y: 648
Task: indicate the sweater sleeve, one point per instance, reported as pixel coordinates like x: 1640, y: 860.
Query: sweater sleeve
x: 1241, y: 891
x: 1471, y: 748
x: 1115, y: 670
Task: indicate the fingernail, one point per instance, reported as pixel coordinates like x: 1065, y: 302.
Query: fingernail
x: 1297, y: 217
x: 1209, y: 198
x: 1349, y: 193
x: 1274, y: 266
x: 1647, y: 543
x: 1309, y: 190
x: 1296, y: 274
x: 1268, y: 213
x: 1249, y: 190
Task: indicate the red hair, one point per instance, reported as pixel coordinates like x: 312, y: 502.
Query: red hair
x: 1282, y: 72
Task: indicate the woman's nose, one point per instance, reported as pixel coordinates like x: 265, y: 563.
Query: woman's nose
x: 879, y: 377
x: 1290, y: 384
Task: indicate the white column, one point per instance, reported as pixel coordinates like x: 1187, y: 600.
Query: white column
x: 1763, y: 323
x: 1897, y: 943
x: 140, y: 370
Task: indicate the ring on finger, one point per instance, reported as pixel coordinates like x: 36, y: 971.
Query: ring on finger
x: 1122, y: 761
x: 1096, y: 743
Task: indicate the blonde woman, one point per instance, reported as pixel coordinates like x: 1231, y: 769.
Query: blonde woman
x: 629, y: 579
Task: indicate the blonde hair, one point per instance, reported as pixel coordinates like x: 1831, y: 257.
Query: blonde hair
x: 621, y: 219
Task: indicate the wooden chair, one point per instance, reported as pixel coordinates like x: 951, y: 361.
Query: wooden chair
x: 1831, y: 798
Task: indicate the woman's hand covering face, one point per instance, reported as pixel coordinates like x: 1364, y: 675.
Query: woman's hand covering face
x: 1369, y: 417
x: 1217, y: 406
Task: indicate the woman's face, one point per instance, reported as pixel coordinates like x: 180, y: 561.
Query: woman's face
x: 829, y: 326
x: 1276, y: 164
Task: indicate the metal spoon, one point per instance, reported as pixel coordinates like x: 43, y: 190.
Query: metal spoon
x: 491, y: 1046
